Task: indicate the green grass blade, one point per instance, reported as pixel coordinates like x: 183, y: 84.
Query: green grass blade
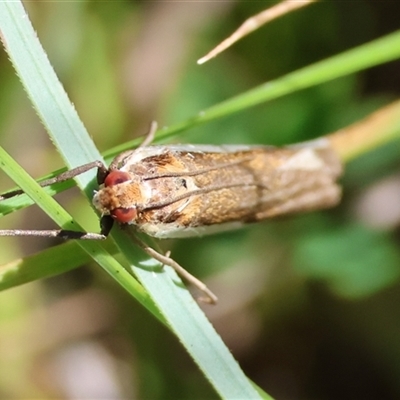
x: 44, y: 89
x: 94, y: 248
x: 58, y: 115
x: 192, y: 327
x: 47, y: 263
x: 368, y: 55
x: 362, y: 57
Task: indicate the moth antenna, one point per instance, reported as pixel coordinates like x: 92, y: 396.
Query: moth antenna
x: 64, y: 176
x: 150, y: 135
x: 52, y: 233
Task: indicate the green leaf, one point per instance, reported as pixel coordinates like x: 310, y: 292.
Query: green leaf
x: 355, y: 262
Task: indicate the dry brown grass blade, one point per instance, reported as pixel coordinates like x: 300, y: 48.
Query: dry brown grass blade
x: 254, y: 23
x: 374, y: 130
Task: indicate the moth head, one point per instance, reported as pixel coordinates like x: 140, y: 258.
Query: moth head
x: 118, y: 197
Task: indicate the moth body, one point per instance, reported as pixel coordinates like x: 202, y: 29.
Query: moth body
x: 187, y: 190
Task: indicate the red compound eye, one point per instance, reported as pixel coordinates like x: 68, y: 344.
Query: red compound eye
x: 115, y: 177
x: 124, y: 215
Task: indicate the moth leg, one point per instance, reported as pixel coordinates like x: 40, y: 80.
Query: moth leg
x: 106, y: 224
x: 210, y: 298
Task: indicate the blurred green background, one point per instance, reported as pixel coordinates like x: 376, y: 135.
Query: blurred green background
x: 308, y: 304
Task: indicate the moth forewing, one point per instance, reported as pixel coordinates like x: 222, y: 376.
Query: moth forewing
x: 187, y: 190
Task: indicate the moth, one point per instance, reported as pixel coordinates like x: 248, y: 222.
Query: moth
x: 178, y: 191
x: 182, y: 191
